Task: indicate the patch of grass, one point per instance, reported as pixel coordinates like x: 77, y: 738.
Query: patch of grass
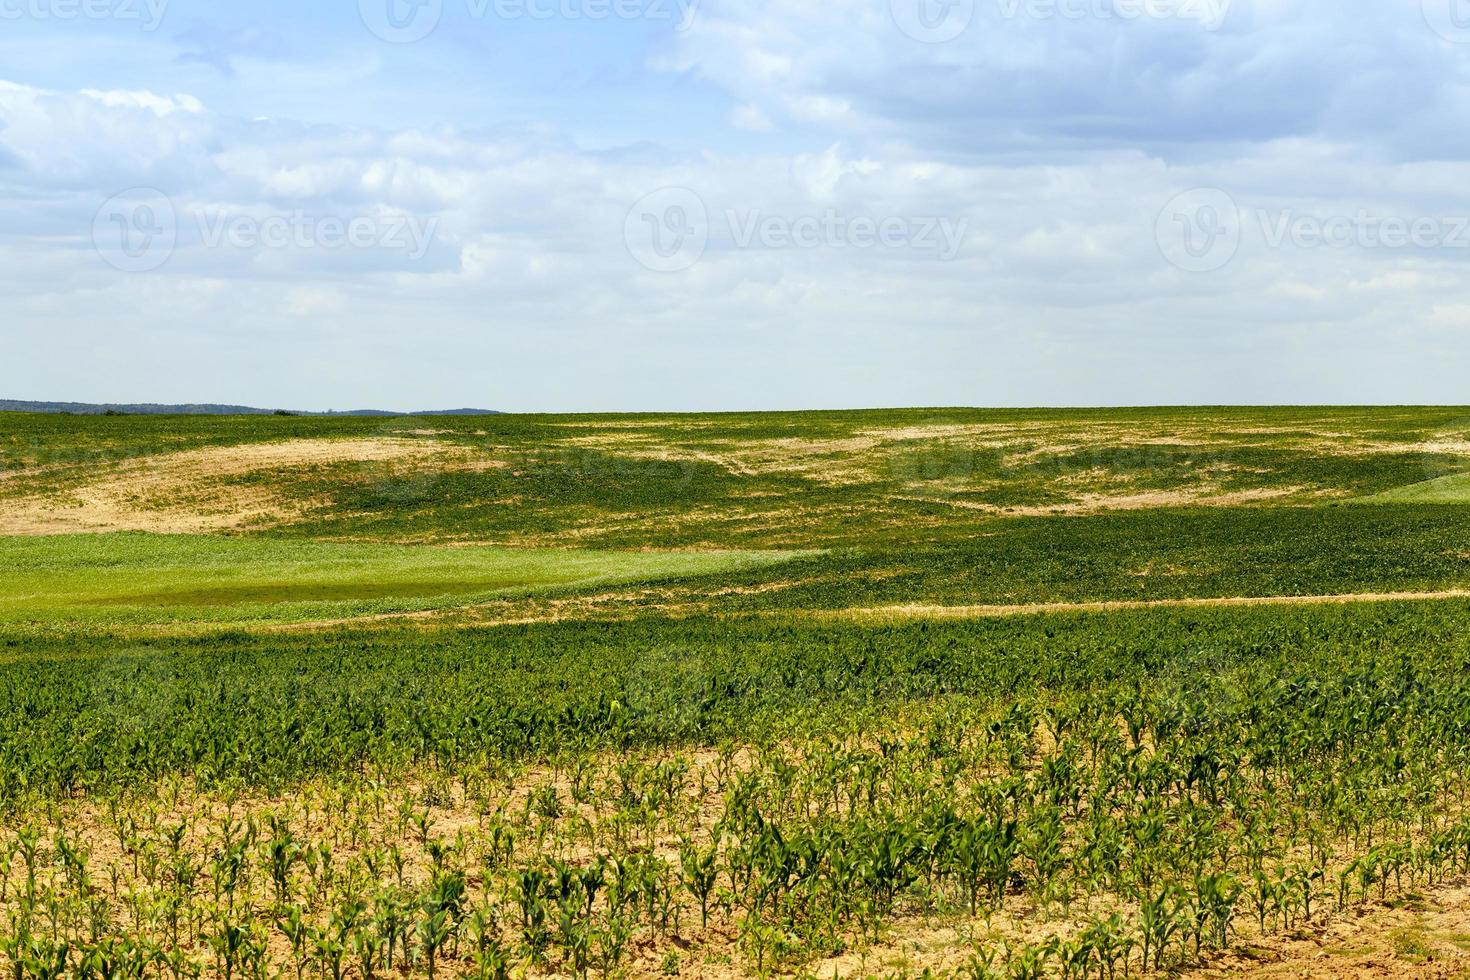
x: 1199, y: 553
x: 1346, y: 951
x: 141, y: 577
x: 1412, y: 945
x: 1452, y: 489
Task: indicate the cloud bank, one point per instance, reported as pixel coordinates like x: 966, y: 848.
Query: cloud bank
x: 1039, y: 202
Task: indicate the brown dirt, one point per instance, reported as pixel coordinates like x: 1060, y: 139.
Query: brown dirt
x: 189, y: 492
x: 869, y: 454
x: 1092, y: 503
x: 887, y: 613
x: 1426, y: 938
x: 835, y: 460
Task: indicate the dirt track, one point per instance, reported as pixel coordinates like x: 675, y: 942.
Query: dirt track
x: 196, y: 492
x: 918, y: 612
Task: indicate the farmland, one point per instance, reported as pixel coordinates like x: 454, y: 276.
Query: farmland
x: 990, y: 694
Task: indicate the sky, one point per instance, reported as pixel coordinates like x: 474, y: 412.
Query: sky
x: 691, y: 205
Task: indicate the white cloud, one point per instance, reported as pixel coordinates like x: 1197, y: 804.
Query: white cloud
x: 750, y: 118
x: 65, y: 138
x: 1050, y: 79
x: 160, y: 105
x: 1058, y: 294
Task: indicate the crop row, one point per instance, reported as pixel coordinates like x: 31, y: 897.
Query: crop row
x: 1146, y: 787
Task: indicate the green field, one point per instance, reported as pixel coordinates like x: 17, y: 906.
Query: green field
x: 1452, y: 489
x: 130, y: 578
x: 713, y: 696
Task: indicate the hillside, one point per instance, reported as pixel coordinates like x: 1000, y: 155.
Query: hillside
x: 987, y: 694
x: 85, y: 408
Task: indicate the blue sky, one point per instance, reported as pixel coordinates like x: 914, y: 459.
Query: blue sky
x: 678, y: 205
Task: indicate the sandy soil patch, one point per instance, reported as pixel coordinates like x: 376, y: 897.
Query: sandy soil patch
x: 1427, y: 938
x: 921, y: 611
x: 837, y: 459
x: 885, y: 453
x: 1092, y: 503
x: 190, y: 492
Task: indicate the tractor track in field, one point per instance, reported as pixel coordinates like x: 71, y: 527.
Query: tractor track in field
x: 588, y: 608
x: 612, y: 606
x: 925, y: 611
